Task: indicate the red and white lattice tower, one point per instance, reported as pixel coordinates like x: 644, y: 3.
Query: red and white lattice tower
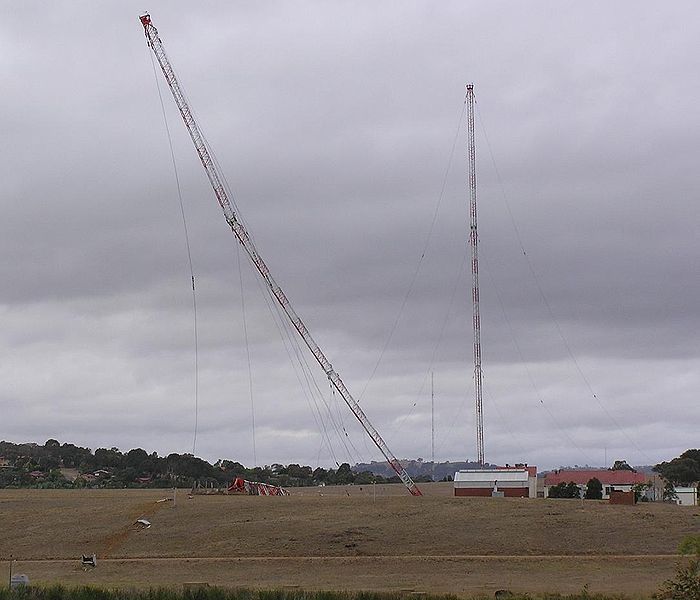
x: 216, y: 180
x: 474, y: 244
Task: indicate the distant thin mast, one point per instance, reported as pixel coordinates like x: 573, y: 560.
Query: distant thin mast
x: 474, y: 243
x: 432, y: 424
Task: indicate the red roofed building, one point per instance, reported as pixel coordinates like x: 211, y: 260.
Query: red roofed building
x: 621, y: 480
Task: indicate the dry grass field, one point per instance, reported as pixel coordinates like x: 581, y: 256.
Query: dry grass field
x: 344, y: 538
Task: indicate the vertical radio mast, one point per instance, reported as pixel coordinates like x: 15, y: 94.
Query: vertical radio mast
x: 216, y: 180
x: 474, y: 243
x: 432, y: 423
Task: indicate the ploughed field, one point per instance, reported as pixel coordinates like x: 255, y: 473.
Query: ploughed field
x: 343, y: 538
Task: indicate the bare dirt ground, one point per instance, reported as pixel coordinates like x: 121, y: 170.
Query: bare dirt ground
x: 344, y: 538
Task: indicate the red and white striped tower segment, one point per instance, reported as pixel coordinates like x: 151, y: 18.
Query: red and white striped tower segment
x: 255, y: 488
x: 217, y: 183
x: 474, y: 243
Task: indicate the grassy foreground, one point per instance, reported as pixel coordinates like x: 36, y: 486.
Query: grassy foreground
x: 318, y: 541
x: 95, y: 593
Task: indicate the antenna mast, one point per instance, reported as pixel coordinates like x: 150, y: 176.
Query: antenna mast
x: 216, y: 180
x: 432, y: 423
x: 474, y: 243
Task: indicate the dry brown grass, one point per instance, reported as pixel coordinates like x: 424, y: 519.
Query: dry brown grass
x: 323, y: 538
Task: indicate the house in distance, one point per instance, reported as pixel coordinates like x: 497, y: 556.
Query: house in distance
x: 619, y: 480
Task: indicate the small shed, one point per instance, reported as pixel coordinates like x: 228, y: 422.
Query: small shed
x: 620, y: 497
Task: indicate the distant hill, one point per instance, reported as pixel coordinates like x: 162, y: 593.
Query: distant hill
x: 646, y: 469
x: 418, y: 468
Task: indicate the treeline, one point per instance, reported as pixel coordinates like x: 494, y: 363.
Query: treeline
x: 683, y: 470
x: 56, y: 465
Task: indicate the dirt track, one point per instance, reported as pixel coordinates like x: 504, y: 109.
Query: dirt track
x: 455, y: 575
x: 344, y: 539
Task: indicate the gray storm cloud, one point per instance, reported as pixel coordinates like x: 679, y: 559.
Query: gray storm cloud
x: 334, y: 124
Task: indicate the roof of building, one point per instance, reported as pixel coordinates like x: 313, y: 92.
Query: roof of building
x: 531, y: 469
x: 488, y: 476
x: 605, y: 476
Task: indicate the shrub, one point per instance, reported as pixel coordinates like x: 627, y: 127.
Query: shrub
x: 685, y: 585
x: 690, y: 545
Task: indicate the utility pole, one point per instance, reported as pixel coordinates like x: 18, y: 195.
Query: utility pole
x: 474, y: 243
x: 432, y: 425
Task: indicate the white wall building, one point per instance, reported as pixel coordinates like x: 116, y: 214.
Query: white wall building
x: 511, y: 482
x: 687, y: 495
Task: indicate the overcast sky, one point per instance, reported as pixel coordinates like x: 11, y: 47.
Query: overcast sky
x: 334, y: 123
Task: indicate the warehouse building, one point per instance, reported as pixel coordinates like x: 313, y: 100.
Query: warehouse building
x: 518, y: 481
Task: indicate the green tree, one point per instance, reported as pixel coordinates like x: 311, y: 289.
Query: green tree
x: 231, y: 466
x: 344, y: 475
x: 320, y: 475
x: 621, y: 465
x: 48, y: 463
x: 669, y: 493
x: 572, y: 490
x: 594, y: 489
x: 556, y: 491
x: 564, y: 490
x: 365, y: 478
x: 639, y: 489
x: 106, y: 459
x: 683, y: 470
x: 73, y: 456
x: 135, y: 458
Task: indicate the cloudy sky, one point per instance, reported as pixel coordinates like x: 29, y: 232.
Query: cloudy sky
x: 334, y: 123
